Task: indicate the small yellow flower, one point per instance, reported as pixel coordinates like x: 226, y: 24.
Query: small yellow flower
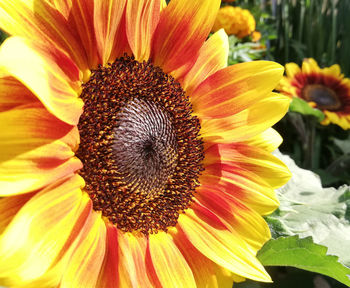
x: 325, y: 89
x: 235, y: 20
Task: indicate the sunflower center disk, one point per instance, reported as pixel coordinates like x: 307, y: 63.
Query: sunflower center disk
x: 140, y: 146
x: 324, y: 97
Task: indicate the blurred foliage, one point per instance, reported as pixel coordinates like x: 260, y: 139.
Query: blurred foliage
x: 299, y: 29
x: 3, y: 36
x: 244, y: 51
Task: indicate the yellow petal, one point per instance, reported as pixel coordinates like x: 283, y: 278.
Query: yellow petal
x: 107, y: 17
x: 292, y: 69
x: 222, y: 246
x: 247, y: 123
x: 133, y: 258
x: 183, y: 27
x: 309, y: 66
x: 109, y: 275
x: 41, y: 21
x: 268, y: 140
x: 242, y: 184
x: 48, y: 73
x: 86, y: 261
x: 13, y: 93
x: 235, y: 88
x: 9, y: 206
x: 36, y: 149
x: 212, y: 57
x: 169, y: 264
x: 36, y: 235
x: 141, y: 21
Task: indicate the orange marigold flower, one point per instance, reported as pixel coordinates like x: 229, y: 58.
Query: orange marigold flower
x: 256, y: 36
x: 235, y: 20
x: 131, y: 156
x: 325, y: 89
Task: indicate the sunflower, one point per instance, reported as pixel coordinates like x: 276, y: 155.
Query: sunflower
x: 131, y: 156
x: 325, y: 89
x: 235, y: 20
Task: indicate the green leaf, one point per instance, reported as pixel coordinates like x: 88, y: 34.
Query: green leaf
x: 308, y: 209
x: 344, y: 145
x: 302, y: 107
x: 303, y: 254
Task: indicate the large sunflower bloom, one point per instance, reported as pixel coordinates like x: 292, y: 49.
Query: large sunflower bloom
x: 131, y: 156
x: 325, y: 89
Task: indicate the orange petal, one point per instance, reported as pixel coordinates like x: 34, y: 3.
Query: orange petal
x: 109, y: 276
x: 85, y: 263
x: 37, y: 234
x: 212, y: 57
x: 242, y: 184
x: 36, y: 149
x: 221, y: 245
x: 254, y: 159
x: 9, y: 206
x: 82, y: 13
x: 48, y: 73
x: 243, y: 220
x: 13, y: 93
x: 107, y: 18
x: 170, y: 265
x: 142, y: 17
x: 235, y: 88
x: 41, y: 21
x: 247, y: 123
x: 202, y: 268
x: 133, y: 254
x: 183, y: 27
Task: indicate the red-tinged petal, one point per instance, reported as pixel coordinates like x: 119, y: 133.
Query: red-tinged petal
x: 48, y: 73
x: 133, y: 258
x: 37, y: 234
x: 82, y: 13
x: 220, y: 245
x: 244, y: 221
x: 183, y: 27
x: 109, y: 276
x: 36, y: 149
x: 247, y: 123
x: 268, y: 140
x: 41, y: 21
x: 85, y: 263
x: 212, y: 57
x: 251, y: 158
x: 142, y: 17
x: 235, y: 88
x: 243, y: 185
x: 168, y: 262
x: 203, y: 269
x: 9, y: 206
x: 13, y: 93
x: 121, y: 45
x: 107, y: 18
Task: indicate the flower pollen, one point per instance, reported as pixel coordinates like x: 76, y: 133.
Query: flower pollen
x: 140, y: 146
